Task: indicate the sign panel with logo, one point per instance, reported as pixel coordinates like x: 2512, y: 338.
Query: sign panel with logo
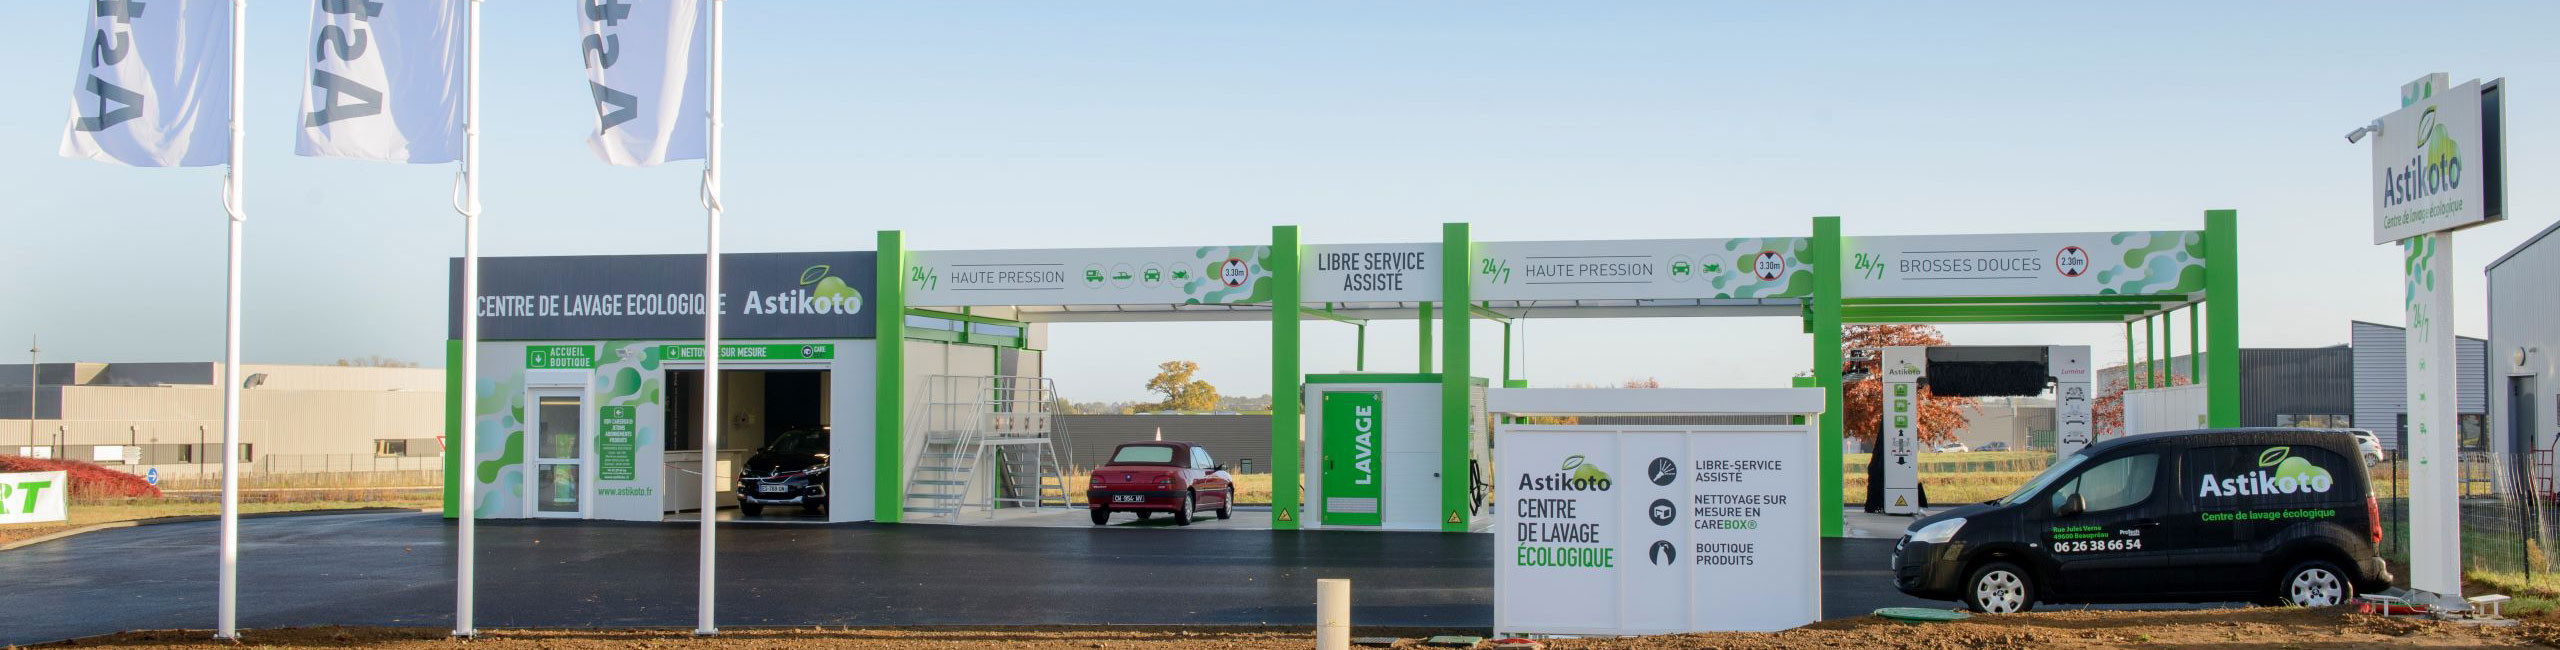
x: 1643, y: 269
x: 1371, y: 273
x: 2048, y: 264
x: 1615, y: 530
x: 2069, y: 365
x: 752, y: 352
x: 2434, y: 163
x: 1904, y: 366
x: 30, y: 497
x: 1197, y: 275
x: 766, y: 296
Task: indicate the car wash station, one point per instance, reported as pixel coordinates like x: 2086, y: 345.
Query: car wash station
x: 590, y: 387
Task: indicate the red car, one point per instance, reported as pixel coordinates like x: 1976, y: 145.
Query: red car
x: 1152, y: 477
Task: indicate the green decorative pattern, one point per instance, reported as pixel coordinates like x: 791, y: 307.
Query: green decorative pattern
x: 1738, y: 279
x: 2155, y: 262
x: 1209, y: 287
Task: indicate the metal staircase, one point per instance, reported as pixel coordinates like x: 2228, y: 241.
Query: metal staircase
x: 986, y: 447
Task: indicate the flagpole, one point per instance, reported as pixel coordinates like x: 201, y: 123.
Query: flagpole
x: 226, y: 603
x: 710, y: 328
x: 466, y: 534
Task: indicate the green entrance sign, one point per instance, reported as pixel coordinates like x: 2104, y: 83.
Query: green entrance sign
x: 560, y: 357
x: 1352, y: 464
x: 762, y: 352
x: 617, y: 444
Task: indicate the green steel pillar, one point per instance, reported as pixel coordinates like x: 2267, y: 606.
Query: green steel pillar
x: 2150, y: 356
x: 2169, y: 348
x: 1360, y: 347
x: 1424, y: 348
x: 1286, y: 425
x: 1506, y: 354
x: 889, y: 378
x: 2195, y: 346
x: 2222, y: 326
x: 2128, y: 355
x: 1822, y: 320
x: 1456, y: 379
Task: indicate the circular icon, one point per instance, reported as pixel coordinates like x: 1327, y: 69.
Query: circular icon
x: 1662, y: 471
x: 808, y: 352
x: 1122, y: 275
x: 1093, y: 275
x: 1768, y: 266
x: 2071, y: 261
x: 1663, y: 553
x: 1233, y: 273
x: 1662, y: 512
x: 1152, y: 275
x: 1681, y: 268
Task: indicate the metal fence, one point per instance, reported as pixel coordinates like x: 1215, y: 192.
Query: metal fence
x: 2509, y: 534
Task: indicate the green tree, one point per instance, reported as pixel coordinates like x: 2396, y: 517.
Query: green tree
x: 1182, y: 392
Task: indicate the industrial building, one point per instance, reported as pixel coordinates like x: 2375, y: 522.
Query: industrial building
x: 168, y: 416
x: 2524, y: 333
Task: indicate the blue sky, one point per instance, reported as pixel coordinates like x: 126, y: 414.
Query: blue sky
x: 1049, y: 124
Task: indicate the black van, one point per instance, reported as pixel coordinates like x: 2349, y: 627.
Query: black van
x: 2265, y: 515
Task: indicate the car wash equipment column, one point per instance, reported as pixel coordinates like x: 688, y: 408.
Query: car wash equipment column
x: 1822, y: 320
x: 1286, y: 426
x: 1456, y: 361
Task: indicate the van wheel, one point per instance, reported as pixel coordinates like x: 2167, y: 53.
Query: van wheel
x: 2315, y: 583
x: 1999, y: 588
x: 1101, y: 515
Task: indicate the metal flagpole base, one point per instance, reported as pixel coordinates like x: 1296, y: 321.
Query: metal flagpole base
x: 466, y: 634
x: 707, y: 631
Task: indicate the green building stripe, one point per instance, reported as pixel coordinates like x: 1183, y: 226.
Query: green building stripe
x: 889, y: 379
x: 1456, y: 361
x: 453, y: 454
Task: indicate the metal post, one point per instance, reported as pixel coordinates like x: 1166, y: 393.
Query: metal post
x: 226, y: 601
x: 32, y: 351
x: 466, y: 438
x: 1360, y: 346
x: 711, y: 329
x: 1333, y: 614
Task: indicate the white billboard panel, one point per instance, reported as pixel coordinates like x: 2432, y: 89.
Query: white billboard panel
x: 1170, y: 275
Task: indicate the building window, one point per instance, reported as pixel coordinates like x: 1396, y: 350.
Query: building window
x: 390, y: 447
x: 2313, y: 420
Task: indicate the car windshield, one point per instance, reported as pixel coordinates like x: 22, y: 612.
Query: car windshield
x: 1143, y: 455
x: 2037, y: 484
x: 799, y: 441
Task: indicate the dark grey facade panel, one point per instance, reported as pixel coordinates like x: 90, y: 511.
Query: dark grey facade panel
x: 2295, y: 381
x: 766, y: 296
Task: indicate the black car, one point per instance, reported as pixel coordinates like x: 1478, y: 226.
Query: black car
x: 2266, y: 515
x: 790, y: 470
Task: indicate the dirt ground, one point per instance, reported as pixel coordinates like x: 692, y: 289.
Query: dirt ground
x: 2218, y: 629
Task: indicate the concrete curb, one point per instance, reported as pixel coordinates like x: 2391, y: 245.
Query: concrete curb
x: 182, y: 519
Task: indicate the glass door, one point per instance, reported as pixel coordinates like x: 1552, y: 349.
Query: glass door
x: 556, y: 466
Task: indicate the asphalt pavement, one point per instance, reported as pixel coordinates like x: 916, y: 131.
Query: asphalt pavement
x: 397, y: 569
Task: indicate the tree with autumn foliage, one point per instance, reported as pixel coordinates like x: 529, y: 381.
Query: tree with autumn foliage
x: 2106, y: 414
x: 1863, y: 413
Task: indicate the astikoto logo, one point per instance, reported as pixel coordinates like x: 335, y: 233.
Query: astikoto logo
x: 821, y: 292
x: 2436, y: 168
x: 1578, y: 475
x: 2292, y: 475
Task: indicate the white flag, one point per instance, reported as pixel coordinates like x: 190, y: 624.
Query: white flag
x: 645, y: 71
x: 386, y: 81
x: 154, y: 88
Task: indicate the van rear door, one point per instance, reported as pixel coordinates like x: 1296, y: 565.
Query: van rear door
x: 2112, y: 549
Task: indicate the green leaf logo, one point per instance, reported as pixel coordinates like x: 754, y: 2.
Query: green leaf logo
x: 1573, y: 461
x: 813, y: 274
x: 2273, y: 455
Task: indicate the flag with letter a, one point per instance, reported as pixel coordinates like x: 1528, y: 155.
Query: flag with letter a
x: 154, y: 88
x: 386, y: 81
x: 644, y: 63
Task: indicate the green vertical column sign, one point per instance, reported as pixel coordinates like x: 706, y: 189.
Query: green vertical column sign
x: 2222, y: 323
x: 1822, y: 320
x: 1456, y: 380
x: 1423, y: 347
x: 617, y: 444
x: 1287, y: 427
x: 889, y: 378
x: 2195, y: 345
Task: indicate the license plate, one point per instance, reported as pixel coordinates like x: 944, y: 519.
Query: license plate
x: 1128, y: 498
x: 773, y: 489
